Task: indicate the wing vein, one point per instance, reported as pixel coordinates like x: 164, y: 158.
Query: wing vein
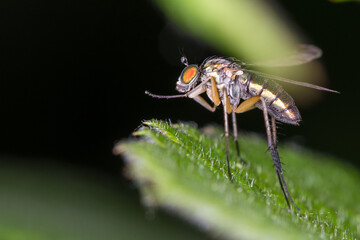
x: 303, y: 84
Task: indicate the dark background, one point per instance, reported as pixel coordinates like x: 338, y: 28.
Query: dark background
x: 73, y: 76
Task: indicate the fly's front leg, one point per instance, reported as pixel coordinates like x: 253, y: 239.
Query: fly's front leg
x: 275, y: 155
x: 215, y: 93
x: 227, y: 109
x: 204, y: 103
x: 195, y: 94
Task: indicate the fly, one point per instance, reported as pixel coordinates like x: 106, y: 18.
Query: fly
x: 229, y: 82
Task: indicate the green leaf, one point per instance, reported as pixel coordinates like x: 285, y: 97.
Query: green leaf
x: 180, y: 168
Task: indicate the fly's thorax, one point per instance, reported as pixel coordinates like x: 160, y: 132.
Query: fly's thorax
x: 241, y: 76
x: 232, y: 88
x: 234, y: 92
x: 215, y: 65
x: 242, y: 80
x: 225, y: 77
x: 237, y: 88
x: 188, y: 78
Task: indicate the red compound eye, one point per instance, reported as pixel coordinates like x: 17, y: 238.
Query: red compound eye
x: 189, y: 73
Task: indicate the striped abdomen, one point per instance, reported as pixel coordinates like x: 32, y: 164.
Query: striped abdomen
x: 280, y: 104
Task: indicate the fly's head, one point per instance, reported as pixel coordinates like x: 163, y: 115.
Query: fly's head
x: 189, y: 77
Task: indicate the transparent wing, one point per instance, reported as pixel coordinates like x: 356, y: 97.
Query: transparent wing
x: 303, y: 84
x: 303, y: 54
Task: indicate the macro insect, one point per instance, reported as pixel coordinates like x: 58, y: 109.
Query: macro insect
x: 229, y: 82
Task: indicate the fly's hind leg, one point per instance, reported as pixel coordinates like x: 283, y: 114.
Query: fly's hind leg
x: 247, y: 105
x: 271, y: 137
x: 273, y: 127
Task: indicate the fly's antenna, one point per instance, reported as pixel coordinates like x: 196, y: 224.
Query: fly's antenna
x: 184, y: 59
x: 165, y: 96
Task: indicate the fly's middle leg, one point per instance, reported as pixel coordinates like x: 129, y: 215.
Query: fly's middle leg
x: 245, y: 106
x: 226, y: 127
x: 235, y: 130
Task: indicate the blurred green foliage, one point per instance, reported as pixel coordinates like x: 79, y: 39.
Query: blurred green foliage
x: 177, y: 167
x: 40, y: 200
x: 238, y: 28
